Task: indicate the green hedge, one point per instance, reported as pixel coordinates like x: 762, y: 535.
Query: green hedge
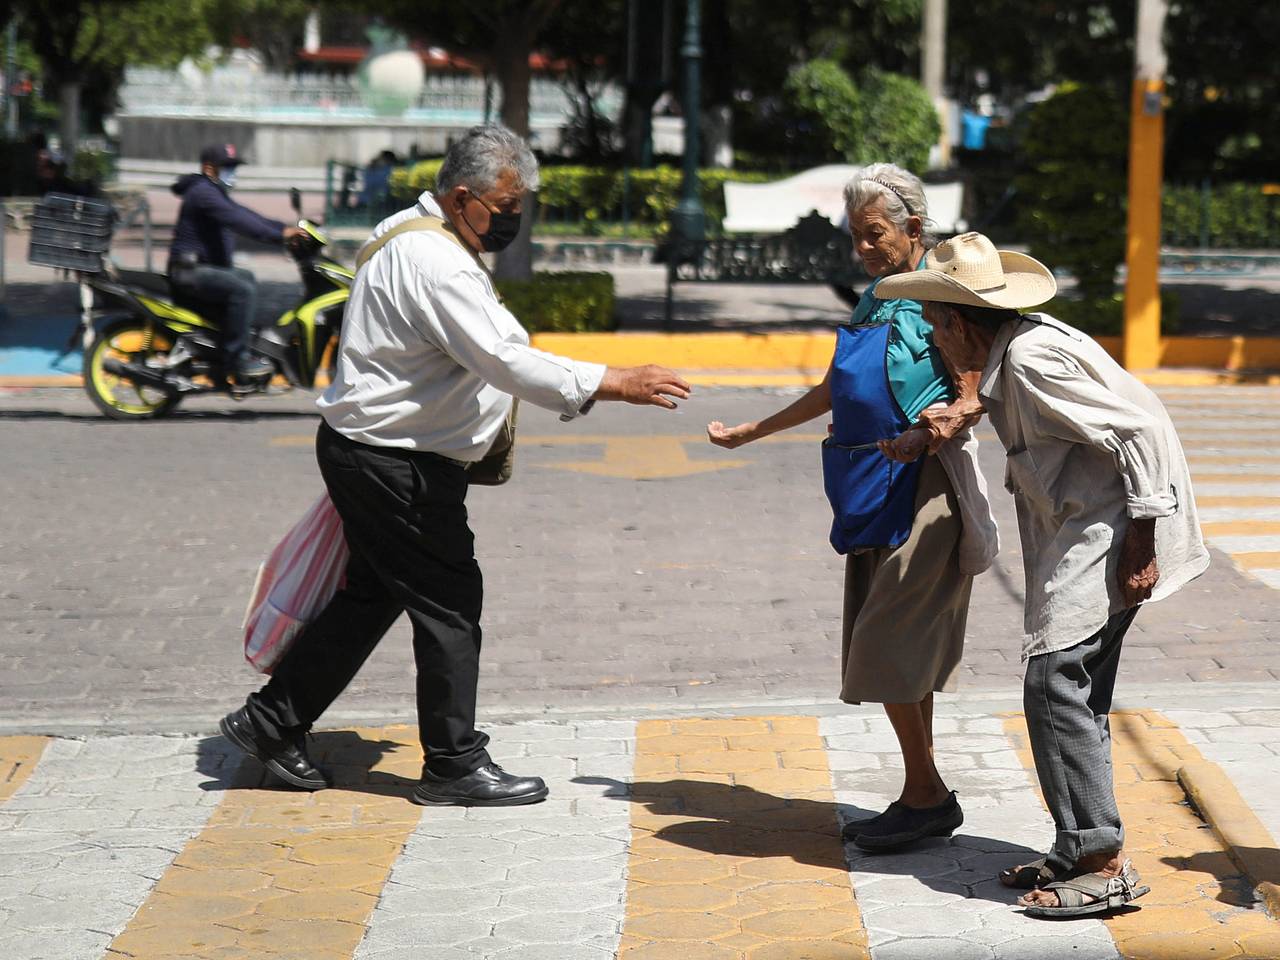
x: 1104, y: 316
x: 1226, y: 215
x: 595, y: 196
x: 562, y: 302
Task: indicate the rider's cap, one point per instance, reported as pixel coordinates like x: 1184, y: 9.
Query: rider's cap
x: 221, y: 155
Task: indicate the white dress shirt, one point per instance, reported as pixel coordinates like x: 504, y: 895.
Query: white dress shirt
x: 430, y: 359
x: 1089, y: 449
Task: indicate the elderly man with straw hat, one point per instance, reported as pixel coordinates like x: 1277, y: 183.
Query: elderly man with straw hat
x: 1107, y: 521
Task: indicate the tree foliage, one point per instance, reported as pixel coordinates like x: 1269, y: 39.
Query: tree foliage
x: 1075, y: 149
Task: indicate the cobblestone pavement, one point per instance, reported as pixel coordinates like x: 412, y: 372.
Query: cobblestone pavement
x: 681, y: 836
x: 131, y: 549
x: 662, y: 627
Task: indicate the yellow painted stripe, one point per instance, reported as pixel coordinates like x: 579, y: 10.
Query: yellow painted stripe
x: 1238, y: 501
x: 280, y: 872
x: 1200, y: 902
x: 735, y: 848
x: 1262, y: 560
x: 1214, y: 476
x: 1241, y: 528
x: 18, y: 759
x: 1197, y: 458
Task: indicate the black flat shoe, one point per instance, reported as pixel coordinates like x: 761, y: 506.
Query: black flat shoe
x: 901, y: 825
x: 489, y: 786
x: 853, y: 828
x: 287, y: 760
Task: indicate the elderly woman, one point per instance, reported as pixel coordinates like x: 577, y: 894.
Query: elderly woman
x: 914, y: 538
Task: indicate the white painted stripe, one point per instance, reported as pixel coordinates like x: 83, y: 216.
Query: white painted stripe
x: 1230, y: 514
x: 948, y: 889
x: 1272, y: 579
x: 545, y: 881
x: 1247, y: 544
x: 83, y: 841
x: 1222, y: 488
x: 1201, y: 468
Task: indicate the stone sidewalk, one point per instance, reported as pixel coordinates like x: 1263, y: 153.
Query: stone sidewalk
x: 683, y: 836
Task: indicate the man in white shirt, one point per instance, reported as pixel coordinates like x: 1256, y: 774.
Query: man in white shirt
x: 1107, y: 520
x: 428, y: 365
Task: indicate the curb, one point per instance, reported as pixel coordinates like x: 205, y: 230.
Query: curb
x: 1248, y: 842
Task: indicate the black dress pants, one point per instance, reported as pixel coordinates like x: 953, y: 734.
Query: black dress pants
x: 405, y: 521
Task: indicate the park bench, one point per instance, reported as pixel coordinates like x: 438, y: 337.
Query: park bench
x: 793, y: 231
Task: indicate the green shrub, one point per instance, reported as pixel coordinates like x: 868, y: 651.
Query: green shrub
x: 591, y: 197
x: 1104, y: 316
x: 1073, y: 192
x: 880, y: 117
x: 562, y: 302
x: 823, y: 94
x: 1225, y: 215
x: 900, y: 123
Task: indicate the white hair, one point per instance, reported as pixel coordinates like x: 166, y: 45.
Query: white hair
x: 901, y: 191
x: 482, y: 155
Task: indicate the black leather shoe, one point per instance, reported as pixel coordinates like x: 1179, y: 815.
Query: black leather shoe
x: 901, y: 825
x: 288, y: 761
x: 489, y: 786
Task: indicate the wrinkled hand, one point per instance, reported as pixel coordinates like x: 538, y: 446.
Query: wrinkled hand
x: 1137, y: 572
x: 650, y: 385
x: 730, y: 437
x: 943, y: 423
x: 907, y: 446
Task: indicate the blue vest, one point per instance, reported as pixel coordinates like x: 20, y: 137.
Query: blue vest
x: 873, y: 498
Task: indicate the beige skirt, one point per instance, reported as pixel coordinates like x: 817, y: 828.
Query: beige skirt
x: 905, y: 608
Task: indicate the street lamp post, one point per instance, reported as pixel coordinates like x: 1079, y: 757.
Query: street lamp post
x: 688, y: 220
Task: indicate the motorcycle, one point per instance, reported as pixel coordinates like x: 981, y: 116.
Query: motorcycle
x: 146, y: 347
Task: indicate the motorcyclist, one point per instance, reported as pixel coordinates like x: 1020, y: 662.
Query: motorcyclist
x: 200, y: 258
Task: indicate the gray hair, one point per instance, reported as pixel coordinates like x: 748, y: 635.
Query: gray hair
x: 482, y: 156
x: 901, y: 191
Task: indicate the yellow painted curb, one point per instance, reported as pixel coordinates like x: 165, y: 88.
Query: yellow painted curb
x: 1248, y: 842
x: 18, y: 759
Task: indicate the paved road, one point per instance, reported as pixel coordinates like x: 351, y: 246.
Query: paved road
x: 130, y: 549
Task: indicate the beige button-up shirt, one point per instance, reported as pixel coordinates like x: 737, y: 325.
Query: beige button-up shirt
x: 1089, y: 447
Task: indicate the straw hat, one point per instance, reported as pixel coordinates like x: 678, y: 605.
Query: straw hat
x: 968, y: 269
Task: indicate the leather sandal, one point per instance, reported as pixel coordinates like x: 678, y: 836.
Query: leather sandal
x: 1029, y: 876
x: 1091, y: 893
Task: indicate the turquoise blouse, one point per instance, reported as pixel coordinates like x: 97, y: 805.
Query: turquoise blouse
x: 917, y: 376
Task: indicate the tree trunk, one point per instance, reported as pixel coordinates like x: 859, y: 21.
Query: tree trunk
x: 511, y: 64
x: 69, y: 118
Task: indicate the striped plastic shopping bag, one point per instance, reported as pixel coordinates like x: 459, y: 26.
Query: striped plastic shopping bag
x: 294, y: 584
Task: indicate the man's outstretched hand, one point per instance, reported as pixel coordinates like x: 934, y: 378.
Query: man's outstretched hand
x: 648, y: 385
x: 1137, y: 572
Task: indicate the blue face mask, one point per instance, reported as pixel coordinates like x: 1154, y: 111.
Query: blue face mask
x: 227, y: 177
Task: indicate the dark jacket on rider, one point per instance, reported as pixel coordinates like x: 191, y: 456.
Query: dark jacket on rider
x: 209, y: 221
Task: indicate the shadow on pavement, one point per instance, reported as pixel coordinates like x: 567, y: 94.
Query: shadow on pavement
x: 1235, y: 889
x: 740, y: 821
x: 344, y: 755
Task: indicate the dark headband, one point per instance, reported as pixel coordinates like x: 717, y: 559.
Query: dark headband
x: 895, y: 192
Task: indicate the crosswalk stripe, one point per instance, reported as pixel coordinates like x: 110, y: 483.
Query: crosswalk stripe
x: 1197, y: 907
x: 1243, y: 502
x: 735, y: 847
x: 1241, y: 527
x: 282, y: 872
x: 1247, y: 544
x: 18, y: 759
x: 89, y: 831
x: 1262, y: 560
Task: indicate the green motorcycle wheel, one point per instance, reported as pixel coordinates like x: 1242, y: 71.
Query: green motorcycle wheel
x: 127, y: 341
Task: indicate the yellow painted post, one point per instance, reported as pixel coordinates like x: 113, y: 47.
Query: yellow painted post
x: 1146, y: 176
